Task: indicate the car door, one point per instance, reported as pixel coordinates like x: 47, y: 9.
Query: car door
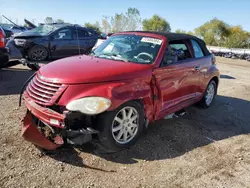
x: 202, y: 63
x: 61, y: 44
x: 176, y: 80
x: 83, y: 40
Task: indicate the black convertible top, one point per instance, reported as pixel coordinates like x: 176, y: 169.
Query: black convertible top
x: 178, y: 36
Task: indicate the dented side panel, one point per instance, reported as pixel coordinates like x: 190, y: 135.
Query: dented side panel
x: 118, y: 92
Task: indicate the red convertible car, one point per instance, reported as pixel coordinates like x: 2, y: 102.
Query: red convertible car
x: 130, y: 80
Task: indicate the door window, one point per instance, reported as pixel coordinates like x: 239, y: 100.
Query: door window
x: 63, y: 34
x: 80, y: 34
x: 197, y: 49
x: 176, y: 52
x: 92, y: 32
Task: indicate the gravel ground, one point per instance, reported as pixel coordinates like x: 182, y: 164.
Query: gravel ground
x: 205, y: 148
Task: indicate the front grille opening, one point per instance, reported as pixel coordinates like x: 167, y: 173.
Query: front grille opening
x: 43, y: 92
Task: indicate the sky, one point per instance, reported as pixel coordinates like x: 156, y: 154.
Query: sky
x: 181, y: 14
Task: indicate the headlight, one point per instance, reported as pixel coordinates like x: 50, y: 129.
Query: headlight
x: 20, y: 42
x: 89, y: 105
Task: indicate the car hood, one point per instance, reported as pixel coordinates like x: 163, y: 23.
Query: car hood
x: 27, y: 34
x: 89, y: 69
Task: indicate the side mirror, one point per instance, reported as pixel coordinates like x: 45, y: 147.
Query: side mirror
x: 101, y: 37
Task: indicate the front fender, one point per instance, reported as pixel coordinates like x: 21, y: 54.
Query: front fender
x: 119, y: 92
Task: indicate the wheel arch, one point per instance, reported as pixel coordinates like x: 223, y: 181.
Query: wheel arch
x: 216, y: 79
x: 32, y: 45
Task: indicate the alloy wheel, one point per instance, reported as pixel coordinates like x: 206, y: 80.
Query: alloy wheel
x: 210, y: 94
x: 39, y: 54
x: 125, y: 125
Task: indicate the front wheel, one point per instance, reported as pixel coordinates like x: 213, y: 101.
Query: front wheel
x: 209, y: 95
x: 122, y: 127
x: 38, y: 53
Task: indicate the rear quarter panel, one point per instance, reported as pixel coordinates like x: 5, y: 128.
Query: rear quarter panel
x: 208, y: 71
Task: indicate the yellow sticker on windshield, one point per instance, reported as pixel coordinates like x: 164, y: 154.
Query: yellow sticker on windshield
x: 151, y: 40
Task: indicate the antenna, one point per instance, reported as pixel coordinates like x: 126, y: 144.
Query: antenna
x: 78, y: 40
x: 11, y: 21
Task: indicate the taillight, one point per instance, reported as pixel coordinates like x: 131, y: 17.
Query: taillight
x: 2, y: 39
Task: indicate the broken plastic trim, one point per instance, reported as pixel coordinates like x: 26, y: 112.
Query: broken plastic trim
x: 34, y: 66
x: 79, y: 137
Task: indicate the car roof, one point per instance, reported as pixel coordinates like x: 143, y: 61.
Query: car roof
x: 176, y: 36
x: 168, y: 35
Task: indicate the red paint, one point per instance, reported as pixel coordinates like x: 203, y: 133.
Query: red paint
x: 44, y: 114
x: 94, y: 70
x: 2, y: 38
x: 162, y: 90
x: 32, y: 134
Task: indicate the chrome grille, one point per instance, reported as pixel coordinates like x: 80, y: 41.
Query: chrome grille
x: 44, y: 92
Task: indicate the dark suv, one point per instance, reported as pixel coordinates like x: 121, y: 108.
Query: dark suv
x: 55, y: 41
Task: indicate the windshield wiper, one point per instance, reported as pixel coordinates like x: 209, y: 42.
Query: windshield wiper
x: 116, y: 57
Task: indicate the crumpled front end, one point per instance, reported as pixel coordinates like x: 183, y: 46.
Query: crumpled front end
x: 38, y: 125
x: 31, y: 133
x: 49, y: 125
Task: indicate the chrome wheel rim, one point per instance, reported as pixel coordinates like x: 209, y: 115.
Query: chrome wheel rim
x: 125, y: 125
x: 210, y: 94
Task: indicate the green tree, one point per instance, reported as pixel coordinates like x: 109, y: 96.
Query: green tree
x: 238, y: 38
x: 156, y: 23
x: 133, y: 19
x: 117, y: 22
x: 214, y: 32
x: 185, y: 32
x: 106, y: 27
x: 180, y: 31
x: 59, y: 21
x: 130, y: 20
x: 191, y: 33
x: 96, y: 26
x: 48, y: 20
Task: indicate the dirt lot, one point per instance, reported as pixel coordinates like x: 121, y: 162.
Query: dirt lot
x: 205, y: 148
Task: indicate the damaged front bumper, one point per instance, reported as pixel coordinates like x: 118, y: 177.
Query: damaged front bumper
x: 48, y: 129
x: 31, y: 133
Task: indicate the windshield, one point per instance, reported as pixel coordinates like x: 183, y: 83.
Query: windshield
x: 129, y: 48
x: 43, y: 29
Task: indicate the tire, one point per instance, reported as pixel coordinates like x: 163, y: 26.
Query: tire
x: 38, y: 53
x: 209, y: 95
x: 108, y: 121
x: 33, y: 67
x: 4, y: 61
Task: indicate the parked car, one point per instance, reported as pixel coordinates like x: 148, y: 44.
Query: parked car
x: 15, y: 29
x: 4, y: 58
x: 55, y: 41
x: 8, y: 33
x: 118, y: 89
x: 101, y: 40
x: 13, y: 52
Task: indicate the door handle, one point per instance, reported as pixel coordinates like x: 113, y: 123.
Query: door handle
x: 197, y: 68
